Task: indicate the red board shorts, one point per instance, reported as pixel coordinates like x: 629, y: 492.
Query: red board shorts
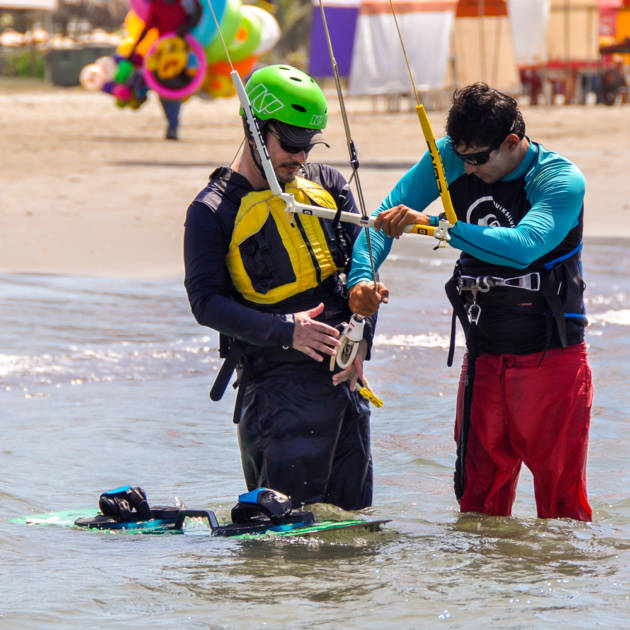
x: 532, y: 408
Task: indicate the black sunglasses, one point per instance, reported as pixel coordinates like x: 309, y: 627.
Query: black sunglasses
x: 289, y: 148
x: 475, y: 159
x: 481, y: 157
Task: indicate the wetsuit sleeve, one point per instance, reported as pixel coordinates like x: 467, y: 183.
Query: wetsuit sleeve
x: 207, y: 285
x: 556, y: 194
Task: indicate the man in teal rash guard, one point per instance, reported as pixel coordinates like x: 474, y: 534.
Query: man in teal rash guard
x: 525, y: 390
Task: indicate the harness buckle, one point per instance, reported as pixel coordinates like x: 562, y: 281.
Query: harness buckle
x: 528, y: 282
x: 474, y: 313
x: 485, y: 283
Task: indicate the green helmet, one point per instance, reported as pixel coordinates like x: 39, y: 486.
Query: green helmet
x: 289, y: 95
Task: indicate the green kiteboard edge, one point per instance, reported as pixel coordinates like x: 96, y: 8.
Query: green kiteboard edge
x: 67, y: 518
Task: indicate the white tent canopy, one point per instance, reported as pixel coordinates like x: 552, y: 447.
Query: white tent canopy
x: 454, y: 42
x: 378, y: 64
x: 528, y: 19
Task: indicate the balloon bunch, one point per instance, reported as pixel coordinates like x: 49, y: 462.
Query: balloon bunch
x: 176, y: 67
x: 119, y: 76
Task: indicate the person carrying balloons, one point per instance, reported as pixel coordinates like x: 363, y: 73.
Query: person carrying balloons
x: 173, y: 49
x: 170, y: 16
x: 273, y: 285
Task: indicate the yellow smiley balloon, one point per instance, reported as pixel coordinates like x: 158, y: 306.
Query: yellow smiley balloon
x: 169, y: 57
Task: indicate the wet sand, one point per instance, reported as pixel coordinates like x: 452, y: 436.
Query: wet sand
x: 87, y: 188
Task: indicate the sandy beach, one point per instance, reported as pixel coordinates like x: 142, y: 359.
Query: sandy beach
x: 87, y: 188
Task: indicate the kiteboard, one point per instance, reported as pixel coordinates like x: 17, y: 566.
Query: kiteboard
x: 261, y: 512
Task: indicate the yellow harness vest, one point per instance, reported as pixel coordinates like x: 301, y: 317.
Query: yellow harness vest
x: 274, y: 255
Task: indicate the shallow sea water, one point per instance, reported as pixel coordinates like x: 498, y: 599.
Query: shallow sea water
x: 105, y: 382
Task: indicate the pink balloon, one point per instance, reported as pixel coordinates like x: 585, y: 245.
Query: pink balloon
x: 122, y: 92
x: 141, y: 7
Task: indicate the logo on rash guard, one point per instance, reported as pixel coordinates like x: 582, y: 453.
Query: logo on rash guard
x: 486, y: 211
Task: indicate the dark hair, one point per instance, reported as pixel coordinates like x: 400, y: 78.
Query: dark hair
x: 482, y: 116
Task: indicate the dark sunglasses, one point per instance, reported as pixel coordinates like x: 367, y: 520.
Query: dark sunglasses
x: 289, y: 148
x: 481, y: 157
x: 475, y: 159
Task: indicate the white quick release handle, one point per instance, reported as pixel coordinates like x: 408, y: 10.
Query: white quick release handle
x: 350, y: 338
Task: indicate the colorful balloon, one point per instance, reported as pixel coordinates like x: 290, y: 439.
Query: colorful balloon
x: 218, y: 82
x: 133, y: 25
x: 108, y: 66
x: 122, y: 92
x: 141, y: 8
x: 270, y: 28
x: 229, y: 26
x: 247, y: 38
x: 218, y: 86
x: 124, y: 70
x: 176, y: 67
x: 168, y: 58
x: 165, y: 58
x: 92, y: 77
x: 125, y: 46
x: 204, y: 31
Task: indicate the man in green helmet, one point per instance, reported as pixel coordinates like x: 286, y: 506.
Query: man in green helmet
x: 273, y: 285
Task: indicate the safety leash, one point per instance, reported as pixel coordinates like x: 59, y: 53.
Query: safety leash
x: 368, y: 394
x: 352, y: 334
x: 350, y: 338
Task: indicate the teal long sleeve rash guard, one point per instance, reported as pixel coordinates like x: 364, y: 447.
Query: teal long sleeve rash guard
x: 554, y: 188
